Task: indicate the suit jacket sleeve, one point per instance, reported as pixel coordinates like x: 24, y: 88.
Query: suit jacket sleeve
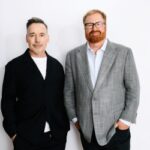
x: 132, y: 89
x: 8, y: 101
x: 69, y: 89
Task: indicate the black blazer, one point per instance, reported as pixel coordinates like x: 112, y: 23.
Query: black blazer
x: 28, y: 100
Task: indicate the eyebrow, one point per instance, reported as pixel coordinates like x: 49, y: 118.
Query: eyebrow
x: 95, y: 22
x: 31, y: 33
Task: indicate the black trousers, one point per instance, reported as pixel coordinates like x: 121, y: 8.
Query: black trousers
x: 46, y: 142
x: 120, y: 141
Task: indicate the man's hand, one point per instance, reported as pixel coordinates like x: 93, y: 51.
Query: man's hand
x: 13, y: 138
x: 120, y: 125
x: 77, y: 125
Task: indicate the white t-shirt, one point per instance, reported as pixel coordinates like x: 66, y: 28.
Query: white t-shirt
x: 42, y: 66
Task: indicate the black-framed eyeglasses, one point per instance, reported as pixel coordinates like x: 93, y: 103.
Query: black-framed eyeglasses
x: 98, y: 24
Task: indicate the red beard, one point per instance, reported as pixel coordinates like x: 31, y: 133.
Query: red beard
x: 95, y: 36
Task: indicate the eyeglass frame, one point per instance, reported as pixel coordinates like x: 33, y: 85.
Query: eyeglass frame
x: 98, y: 24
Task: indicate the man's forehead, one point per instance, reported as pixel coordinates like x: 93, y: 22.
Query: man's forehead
x: 37, y: 31
x: 37, y: 27
x: 94, y: 17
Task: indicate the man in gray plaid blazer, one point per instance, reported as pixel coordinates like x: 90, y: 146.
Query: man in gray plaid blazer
x: 101, y: 88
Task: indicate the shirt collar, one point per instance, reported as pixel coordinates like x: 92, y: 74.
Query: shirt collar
x: 103, y: 48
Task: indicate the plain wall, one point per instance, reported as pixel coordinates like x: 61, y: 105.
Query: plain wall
x: 128, y: 24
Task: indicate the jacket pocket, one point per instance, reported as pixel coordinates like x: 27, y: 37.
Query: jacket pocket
x: 117, y: 114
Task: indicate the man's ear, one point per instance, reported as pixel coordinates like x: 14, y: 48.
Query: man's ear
x: 26, y: 38
x: 48, y: 39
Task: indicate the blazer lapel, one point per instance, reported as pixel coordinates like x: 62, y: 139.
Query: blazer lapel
x: 84, y: 66
x: 49, y: 69
x: 108, y: 59
x: 32, y: 66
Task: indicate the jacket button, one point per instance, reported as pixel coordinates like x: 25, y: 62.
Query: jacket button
x: 50, y: 135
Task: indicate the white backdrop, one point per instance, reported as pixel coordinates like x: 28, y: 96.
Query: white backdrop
x: 128, y: 24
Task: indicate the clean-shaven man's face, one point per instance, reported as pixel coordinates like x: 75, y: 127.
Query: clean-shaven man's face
x: 37, y: 39
x: 97, y: 32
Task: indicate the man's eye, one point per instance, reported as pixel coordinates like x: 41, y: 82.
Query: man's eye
x: 32, y: 35
x: 90, y: 24
x: 42, y: 35
x: 98, y: 23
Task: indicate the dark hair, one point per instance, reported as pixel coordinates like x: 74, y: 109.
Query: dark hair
x: 35, y: 20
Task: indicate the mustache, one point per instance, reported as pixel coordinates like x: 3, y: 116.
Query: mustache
x: 95, y: 32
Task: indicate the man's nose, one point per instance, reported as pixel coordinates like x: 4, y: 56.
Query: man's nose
x: 94, y: 27
x: 37, y: 39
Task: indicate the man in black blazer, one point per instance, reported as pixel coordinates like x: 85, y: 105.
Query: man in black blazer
x: 32, y: 97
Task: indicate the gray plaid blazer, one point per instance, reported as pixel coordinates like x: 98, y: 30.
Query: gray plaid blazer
x: 115, y: 95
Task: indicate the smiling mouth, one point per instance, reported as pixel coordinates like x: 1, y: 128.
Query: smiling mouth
x: 96, y: 32
x: 37, y: 46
